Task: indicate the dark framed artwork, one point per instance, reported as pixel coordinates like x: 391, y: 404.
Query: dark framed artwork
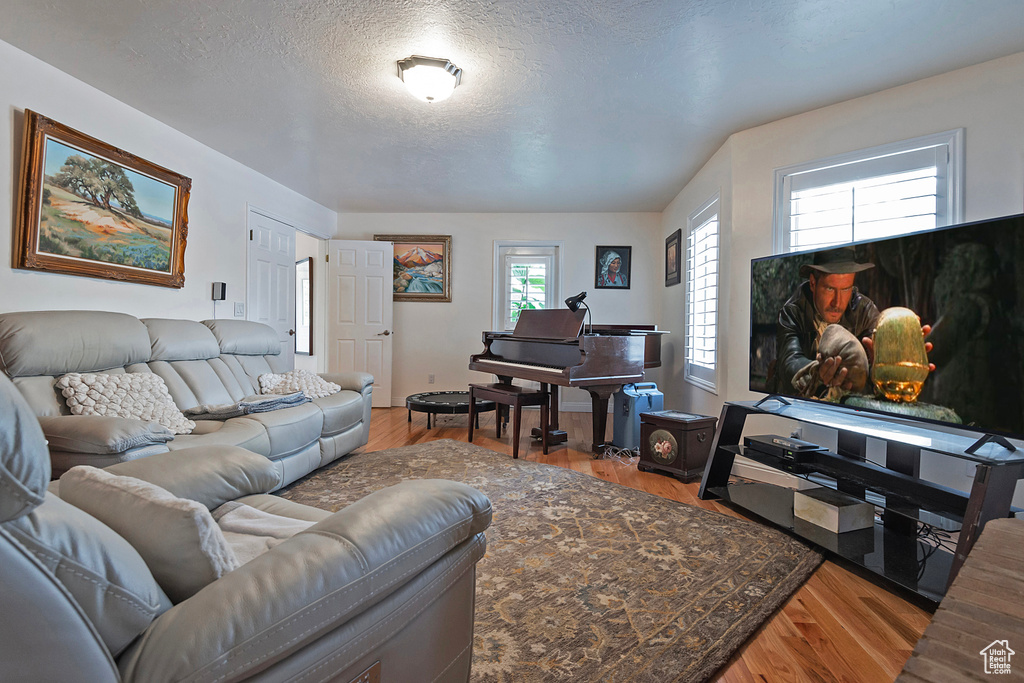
x: 88, y: 208
x: 422, y: 267
x: 613, y: 267
x: 304, y: 306
x: 673, y: 258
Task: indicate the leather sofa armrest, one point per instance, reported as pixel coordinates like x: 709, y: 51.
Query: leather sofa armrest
x: 101, y: 434
x: 353, y: 381
x: 211, y: 475
x: 309, y: 585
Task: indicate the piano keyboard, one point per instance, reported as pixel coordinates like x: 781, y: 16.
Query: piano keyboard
x: 539, y: 368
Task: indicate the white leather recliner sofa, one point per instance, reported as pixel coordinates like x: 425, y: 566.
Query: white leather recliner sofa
x: 385, y: 584
x: 213, y: 362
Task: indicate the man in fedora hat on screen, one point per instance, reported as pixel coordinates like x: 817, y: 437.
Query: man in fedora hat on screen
x: 828, y: 296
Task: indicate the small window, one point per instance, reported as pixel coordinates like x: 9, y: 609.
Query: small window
x: 702, y: 260
x: 881, y: 192
x: 527, y: 276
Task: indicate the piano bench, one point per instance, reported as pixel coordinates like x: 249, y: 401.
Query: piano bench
x: 514, y: 397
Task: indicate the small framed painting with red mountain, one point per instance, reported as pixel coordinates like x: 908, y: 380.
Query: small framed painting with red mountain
x: 422, y: 267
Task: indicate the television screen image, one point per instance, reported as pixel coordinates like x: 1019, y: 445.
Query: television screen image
x: 846, y: 325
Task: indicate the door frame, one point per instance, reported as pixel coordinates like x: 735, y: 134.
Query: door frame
x: 319, y: 274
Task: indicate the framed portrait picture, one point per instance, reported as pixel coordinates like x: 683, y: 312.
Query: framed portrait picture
x: 613, y: 264
x: 423, y: 267
x: 90, y: 209
x: 673, y: 258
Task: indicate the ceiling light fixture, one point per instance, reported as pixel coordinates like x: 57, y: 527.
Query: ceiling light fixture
x: 429, y: 78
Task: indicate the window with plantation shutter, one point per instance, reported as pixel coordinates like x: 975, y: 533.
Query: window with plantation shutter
x: 528, y: 284
x: 701, y: 360
x: 885, y: 191
x: 527, y: 276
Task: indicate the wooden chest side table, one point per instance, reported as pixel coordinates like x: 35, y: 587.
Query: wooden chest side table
x: 675, y: 443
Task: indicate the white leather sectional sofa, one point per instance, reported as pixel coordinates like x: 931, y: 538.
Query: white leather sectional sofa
x: 383, y: 589
x: 380, y: 590
x: 213, y: 362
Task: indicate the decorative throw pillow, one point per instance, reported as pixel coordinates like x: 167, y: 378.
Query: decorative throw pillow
x: 106, y: 576
x: 178, y: 538
x: 139, y: 395
x: 309, y: 383
x: 101, y: 435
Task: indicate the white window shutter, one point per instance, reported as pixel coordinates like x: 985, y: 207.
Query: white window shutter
x: 886, y: 191
x: 702, y: 259
x: 527, y: 275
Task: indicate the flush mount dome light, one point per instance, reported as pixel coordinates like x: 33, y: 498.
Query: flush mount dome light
x: 429, y: 78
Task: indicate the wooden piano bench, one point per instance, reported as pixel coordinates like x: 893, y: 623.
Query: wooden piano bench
x: 514, y: 397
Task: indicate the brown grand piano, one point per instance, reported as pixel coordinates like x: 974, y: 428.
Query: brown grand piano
x: 547, y: 347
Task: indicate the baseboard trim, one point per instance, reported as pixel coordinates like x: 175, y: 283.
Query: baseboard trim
x: 579, y: 406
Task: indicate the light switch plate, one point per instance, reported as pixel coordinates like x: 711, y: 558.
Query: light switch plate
x: 239, y: 309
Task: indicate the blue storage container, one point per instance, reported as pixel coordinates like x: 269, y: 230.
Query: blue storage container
x: 628, y: 403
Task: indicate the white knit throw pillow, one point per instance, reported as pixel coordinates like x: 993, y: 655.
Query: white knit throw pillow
x: 177, y: 537
x: 309, y: 383
x: 139, y: 395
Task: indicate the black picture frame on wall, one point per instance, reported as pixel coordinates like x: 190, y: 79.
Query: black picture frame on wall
x: 673, y: 258
x: 613, y: 267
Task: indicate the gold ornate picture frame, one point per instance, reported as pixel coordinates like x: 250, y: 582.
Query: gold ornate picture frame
x: 422, y: 267
x: 88, y: 208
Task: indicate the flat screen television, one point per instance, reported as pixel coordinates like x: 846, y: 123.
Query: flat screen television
x: 966, y: 282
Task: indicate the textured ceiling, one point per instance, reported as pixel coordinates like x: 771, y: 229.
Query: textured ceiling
x: 592, y: 105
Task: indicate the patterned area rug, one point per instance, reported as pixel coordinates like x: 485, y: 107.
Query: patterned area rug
x: 586, y: 580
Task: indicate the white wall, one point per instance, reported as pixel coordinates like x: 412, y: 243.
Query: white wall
x: 439, y: 338
x: 715, y: 177
x: 221, y: 188
x: 987, y: 100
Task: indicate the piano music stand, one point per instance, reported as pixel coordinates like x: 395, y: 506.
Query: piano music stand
x: 516, y: 398
x: 549, y: 323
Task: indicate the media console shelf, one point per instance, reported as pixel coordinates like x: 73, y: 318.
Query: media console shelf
x: 903, y: 547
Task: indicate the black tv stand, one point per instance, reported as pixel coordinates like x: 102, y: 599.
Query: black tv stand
x: 772, y: 397
x: 901, y: 547
x: 990, y: 438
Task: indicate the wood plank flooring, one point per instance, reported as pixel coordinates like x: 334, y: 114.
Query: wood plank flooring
x: 839, y: 626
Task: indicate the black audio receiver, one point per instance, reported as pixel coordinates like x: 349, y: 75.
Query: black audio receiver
x: 782, y: 447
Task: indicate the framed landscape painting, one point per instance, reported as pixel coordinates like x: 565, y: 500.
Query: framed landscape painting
x: 88, y: 208
x: 422, y: 267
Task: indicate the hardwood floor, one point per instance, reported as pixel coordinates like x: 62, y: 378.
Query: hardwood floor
x: 839, y: 626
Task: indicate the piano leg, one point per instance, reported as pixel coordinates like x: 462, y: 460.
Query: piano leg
x: 501, y: 412
x: 555, y: 435
x: 599, y: 396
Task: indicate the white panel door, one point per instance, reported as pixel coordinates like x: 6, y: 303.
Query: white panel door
x: 270, y: 298
x: 359, y: 298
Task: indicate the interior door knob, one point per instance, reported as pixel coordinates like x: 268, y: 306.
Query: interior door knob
x: 385, y: 333
x: 291, y: 333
